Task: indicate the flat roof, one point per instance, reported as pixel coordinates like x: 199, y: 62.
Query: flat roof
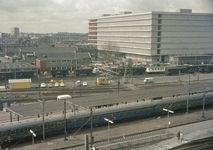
x: 19, y: 80
x: 16, y: 65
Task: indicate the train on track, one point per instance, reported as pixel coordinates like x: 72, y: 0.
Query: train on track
x: 184, y: 69
x: 56, y: 123
x: 167, y: 70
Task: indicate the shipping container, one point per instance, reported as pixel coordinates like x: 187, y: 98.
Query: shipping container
x: 19, y: 83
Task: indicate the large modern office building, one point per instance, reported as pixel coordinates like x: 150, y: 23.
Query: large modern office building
x: 155, y: 36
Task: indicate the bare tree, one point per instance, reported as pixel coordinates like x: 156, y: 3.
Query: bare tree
x: 110, y: 50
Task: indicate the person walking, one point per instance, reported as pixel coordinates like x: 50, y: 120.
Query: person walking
x: 181, y: 136
x: 178, y: 135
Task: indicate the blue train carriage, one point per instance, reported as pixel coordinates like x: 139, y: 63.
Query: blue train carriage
x: 180, y: 102
x: 142, y: 109
x: 19, y: 129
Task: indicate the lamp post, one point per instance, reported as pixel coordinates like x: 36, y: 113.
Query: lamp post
x: 169, y: 111
x: 64, y: 97
x: 109, y: 121
x: 33, y: 135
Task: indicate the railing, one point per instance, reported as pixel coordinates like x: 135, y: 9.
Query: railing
x: 126, y: 143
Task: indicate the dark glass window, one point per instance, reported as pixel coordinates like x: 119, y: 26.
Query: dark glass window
x: 159, y: 15
x: 21, y: 131
x: 159, y: 33
x: 12, y: 132
x: 159, y: 21
x: 29, y: 128
x: 158, y: 51
x: 158, y: 45
x: 159, y: 39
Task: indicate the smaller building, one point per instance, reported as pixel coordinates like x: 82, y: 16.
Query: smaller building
x: 19, y: 83
x: 18, y: 70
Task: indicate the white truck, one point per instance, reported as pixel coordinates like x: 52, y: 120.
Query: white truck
x: 148, y: 80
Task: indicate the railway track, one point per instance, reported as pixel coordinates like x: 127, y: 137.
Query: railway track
x: 32, y: 93
x: 92, y: 77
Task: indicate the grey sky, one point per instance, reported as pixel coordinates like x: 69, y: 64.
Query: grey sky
x: 46, y: 16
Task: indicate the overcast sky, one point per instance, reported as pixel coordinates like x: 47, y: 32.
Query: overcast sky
x: 46, y: 16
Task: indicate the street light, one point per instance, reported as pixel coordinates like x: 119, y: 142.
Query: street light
x: 33, y: 135
x: 64, y: 97
x: 169, y: 111
x: 109, y: 121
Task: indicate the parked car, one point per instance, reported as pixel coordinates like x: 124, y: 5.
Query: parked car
x: 56, y: 84
x: 62, y: 84
x: 125, y: 80
x: 61, y: 80
x: 50, y: 85
x: 43, y: 85
x: 53, y: 81
x: 85, y: 84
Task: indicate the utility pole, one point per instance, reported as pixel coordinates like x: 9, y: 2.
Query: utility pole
x: 80, y: 86
x: 43, y: 128
x: 187, y: 107
x: 91, y: 137
x: 204, y: 90
x: 65, y: 122
x: 74, y: 88
x: 198, y: 77
x: 189, y: 78
x: 96, y: 78
x: 179, y: 78
x: 118, y: 83
x: 39, y: 84
x: 43, y: 120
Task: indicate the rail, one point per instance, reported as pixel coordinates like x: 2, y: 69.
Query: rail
x: 127, y: 143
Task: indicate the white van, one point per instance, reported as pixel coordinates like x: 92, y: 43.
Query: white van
x: 148, y: 80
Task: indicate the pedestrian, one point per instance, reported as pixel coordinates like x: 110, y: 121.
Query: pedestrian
x: 178, y: 135
x: 181, y: 136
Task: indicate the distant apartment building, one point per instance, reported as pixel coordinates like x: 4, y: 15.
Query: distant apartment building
x: 155, y: 36
x: 14, y: 32
x: 2, y: 35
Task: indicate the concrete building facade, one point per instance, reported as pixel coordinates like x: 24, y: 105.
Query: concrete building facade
x: 14, y: 32
x: 154, y: 36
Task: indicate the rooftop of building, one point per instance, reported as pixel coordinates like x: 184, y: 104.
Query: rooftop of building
x: 16, y: 65
x: 48, y: 48
x: 129, y: 13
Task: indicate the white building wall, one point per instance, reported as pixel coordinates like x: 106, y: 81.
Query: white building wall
x: 157, y: 34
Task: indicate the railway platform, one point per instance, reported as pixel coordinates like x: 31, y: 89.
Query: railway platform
x: 191, y: 132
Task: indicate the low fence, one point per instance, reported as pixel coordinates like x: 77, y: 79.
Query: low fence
x: 133, y: 142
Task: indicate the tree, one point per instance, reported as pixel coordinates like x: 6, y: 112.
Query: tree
x: 110, y: 50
